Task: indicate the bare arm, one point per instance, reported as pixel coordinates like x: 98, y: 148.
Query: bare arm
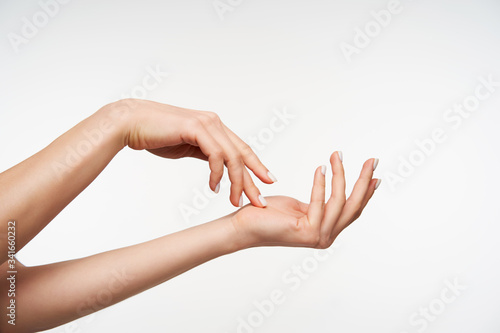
x: 47, y: 295
x: 37, y: 189
x: 51, y: 295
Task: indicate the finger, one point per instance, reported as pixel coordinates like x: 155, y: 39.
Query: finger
x: 317, y: 204
x: 374, y: 184
x: 354, y: 204
x: 253, y: 192
x: 213, y: 152
x: 232, y: 158
x: 216, y: 165
x: 236, y: 176
x: 250, y: 158
x: 337, y: 199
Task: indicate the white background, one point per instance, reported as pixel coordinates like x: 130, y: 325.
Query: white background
x: 440, y: 223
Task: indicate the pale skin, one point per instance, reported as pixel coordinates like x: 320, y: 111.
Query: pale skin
x: 37, y: 189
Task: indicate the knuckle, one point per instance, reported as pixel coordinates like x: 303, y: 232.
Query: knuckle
x: 321, y: 242
x: 203, y: 119
x: 234, y: 160
x: 212, y: 115
x: 236, y: 175
x: 246, y: 151
x: 216, y: 154
x: 324, y: 243
x: 208, y: 117
x: 215, y: 171
x: 250, y: 186
x: 313, y: 239
x: 340, y: 199
x: 354, y: 206
x: 356, y: 216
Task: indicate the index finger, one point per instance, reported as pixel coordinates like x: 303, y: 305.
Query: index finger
x: 250, y: 158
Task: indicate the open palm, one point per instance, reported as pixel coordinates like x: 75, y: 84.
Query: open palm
x: 289, y: 222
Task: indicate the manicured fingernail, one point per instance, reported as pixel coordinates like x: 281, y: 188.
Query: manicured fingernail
x: 378, y: 183
x: 375, y: 163
x: 271, y: 176
x: 323, y: 169
x: 240, y: 204
x: 341, y: 156
x: 262, y: 200
x: 217, y: 188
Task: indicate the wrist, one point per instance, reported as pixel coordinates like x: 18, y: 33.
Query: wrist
x: 240, y: 237
x: 213, y: 239
x: 119, y: 115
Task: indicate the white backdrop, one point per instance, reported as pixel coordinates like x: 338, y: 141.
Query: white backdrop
x: 415, y: 83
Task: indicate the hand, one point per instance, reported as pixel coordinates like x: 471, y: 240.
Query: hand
x: 174, y: 132
x: 288, y: 222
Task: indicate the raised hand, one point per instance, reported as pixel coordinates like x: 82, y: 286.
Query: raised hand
x: 174, y: 132
x: 289, y: 222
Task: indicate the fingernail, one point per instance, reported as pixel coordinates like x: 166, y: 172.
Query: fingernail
x: 240, y: 204
x: 341, y: 156
x: 262, y: 200
x: 323, y: 169
x: 270, y: 175
x: 378, y: 183
x: 375, y: 163
x: 217, y: 188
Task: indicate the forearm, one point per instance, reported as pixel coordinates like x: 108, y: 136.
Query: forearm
x: 37, y: 189
x: 51, y: 295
